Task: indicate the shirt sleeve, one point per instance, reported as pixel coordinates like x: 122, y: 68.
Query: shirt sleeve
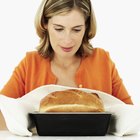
x: 118, y: 88
x: 15, y: 87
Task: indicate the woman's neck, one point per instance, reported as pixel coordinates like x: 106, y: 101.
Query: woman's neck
x: 66, y: 62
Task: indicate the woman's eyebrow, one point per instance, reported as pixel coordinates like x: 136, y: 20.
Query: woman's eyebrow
x: 64, y: 26
x: 58, y: 25
x: 78, y: 26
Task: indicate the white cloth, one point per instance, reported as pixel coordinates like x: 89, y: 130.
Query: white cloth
x: 125, y: 118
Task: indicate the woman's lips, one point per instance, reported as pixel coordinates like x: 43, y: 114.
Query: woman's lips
x: 66, y: 49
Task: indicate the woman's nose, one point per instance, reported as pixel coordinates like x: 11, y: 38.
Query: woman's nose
x: 68, y: 39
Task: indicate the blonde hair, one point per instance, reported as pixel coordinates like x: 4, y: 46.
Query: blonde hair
x: 49, y: 8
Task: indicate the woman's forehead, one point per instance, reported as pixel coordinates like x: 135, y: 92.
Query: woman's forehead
x: 73, y: 17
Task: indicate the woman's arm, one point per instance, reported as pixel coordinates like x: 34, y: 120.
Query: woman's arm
x: 15, y: 87
x: 118, y: 88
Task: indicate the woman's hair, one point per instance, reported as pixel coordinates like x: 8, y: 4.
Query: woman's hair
x: 50, y: 8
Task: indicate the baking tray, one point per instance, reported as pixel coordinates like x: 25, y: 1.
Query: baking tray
x: 71, y: 124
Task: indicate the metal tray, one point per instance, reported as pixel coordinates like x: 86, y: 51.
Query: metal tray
x: 71, y: 124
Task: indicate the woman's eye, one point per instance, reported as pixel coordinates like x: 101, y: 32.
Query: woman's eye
x: 58, y: 29
x: 76, y: 30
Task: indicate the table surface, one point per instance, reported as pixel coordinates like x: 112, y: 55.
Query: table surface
x: 6, y: 135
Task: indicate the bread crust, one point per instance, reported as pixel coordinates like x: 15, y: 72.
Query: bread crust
x: 71, y: 100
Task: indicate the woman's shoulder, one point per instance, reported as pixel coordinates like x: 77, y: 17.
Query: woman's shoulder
x: 99, y: 56
x: 99, y: 53
x: 34, y: 55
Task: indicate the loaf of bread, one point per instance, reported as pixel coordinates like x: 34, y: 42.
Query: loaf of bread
x: 71, y: 100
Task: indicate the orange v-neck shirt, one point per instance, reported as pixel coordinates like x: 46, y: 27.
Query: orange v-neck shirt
x: 96, y: 71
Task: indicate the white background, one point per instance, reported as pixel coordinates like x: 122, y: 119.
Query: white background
x: 118, y: 31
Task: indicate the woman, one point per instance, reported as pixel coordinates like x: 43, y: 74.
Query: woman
x: 64, y: 55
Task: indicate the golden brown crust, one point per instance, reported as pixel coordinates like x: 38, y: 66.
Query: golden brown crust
x: 71, y: 100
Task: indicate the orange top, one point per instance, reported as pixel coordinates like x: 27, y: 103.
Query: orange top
x: 96, y: 71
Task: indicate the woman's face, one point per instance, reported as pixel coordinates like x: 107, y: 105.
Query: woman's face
x: 66, y: 33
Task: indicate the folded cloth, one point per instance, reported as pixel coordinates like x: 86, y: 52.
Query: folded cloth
x: 125, y: 118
